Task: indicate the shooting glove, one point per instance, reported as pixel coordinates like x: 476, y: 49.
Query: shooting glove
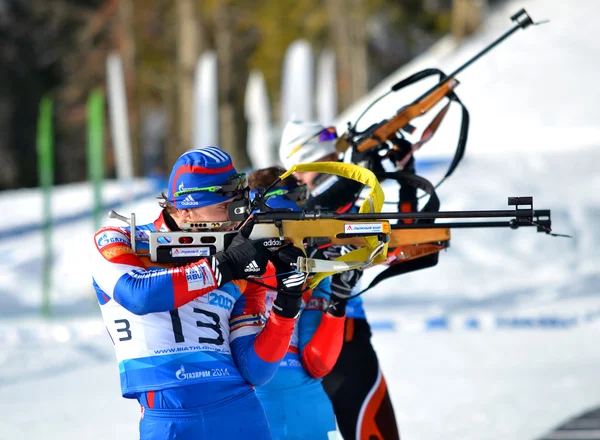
x: 342, y: 285
x: 242, y: 258
x: 290, y: 283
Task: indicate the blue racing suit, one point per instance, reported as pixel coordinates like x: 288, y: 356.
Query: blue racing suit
x: 188, y: 350
x: 296, y: 404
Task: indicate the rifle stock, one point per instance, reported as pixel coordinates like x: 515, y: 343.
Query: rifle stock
x: 312, y: 232
x: 184, y: 246
x: 387, y: 129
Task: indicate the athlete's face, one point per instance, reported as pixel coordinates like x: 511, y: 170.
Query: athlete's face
x: 308, y: 177
x: 211, y: 213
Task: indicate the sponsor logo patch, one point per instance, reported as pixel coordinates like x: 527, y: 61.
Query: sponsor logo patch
x: 273, y: 242
x: 182, y: 375
x: 109, y: 237
x: 198, y: 278
x: 190, y: 252
x: 363, y: 228
x: 252, y: 267
x: 189, y: 200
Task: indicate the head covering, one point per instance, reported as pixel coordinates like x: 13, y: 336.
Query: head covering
x: 279, y: 201
x: 300, y: 143
x: 199, y: 168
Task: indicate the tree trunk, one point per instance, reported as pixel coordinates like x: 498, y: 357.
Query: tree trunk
x: 347, y: 27
x: 337, y: 13
x: 358, y: 49
x: 187, y: 56
x: 467, y: 16
x: 229, y: 124
x: 127, y: 50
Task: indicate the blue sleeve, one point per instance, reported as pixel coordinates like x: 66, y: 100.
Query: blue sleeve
x: 246, y: 322
x: 254, y: 369
x: 313, y: 312
x: 119, y: 274
x: 257, y: 349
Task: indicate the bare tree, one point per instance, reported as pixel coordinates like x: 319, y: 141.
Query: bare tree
x: 187, y: 56
x: 467, y: 16
x: 347, y: 26
x: 126, y: 46
x: 225, y: 55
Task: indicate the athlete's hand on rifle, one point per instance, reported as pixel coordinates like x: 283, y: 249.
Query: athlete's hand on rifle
x: 342, y: 283
x: 290, y: 282
x: 242, y: 258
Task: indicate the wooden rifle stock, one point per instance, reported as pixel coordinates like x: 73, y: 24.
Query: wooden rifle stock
x: 388, y: 129
x: 334, y: 232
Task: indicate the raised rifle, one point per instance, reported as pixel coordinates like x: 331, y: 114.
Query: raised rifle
x: 389, y: 133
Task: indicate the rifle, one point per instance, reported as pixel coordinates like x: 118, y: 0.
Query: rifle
x: 369, y: 230
x: 388, y: 135
x: 319, y: 228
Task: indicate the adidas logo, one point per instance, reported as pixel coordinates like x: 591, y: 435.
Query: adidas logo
x: 252, y: 267
x: 189, y: 200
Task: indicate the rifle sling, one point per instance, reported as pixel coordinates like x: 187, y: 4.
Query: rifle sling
x: 464, y: 126
x: 432, y: 205
x: 418, y: 182
x: 402, y: 268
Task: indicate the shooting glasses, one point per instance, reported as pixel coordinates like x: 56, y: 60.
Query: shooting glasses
x: 235, y: 186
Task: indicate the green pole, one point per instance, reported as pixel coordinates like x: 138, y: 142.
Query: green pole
x: 45, y: 150
x: 95, y: 151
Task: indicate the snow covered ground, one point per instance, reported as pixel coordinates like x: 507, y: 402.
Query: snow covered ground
x: 513, y: 384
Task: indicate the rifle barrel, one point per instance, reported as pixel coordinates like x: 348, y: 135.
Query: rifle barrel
x: 263, y: 217
x: 435, y: 215
x: 520, y: 25
x: 461, y: 225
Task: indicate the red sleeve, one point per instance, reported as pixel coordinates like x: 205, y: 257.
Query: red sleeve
x: 272, y: 343
x: 322, y: 351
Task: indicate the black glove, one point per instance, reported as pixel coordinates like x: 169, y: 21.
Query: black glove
x: 290, y: 285
x: 242, y: 258
x: 342, y: 284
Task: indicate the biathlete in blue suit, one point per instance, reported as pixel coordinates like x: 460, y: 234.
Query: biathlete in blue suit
x: 296, y: 404
x: 356, y: 385
x: 191, y: 340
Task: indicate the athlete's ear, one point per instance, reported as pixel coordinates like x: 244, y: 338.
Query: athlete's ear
x: 185, y: 213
